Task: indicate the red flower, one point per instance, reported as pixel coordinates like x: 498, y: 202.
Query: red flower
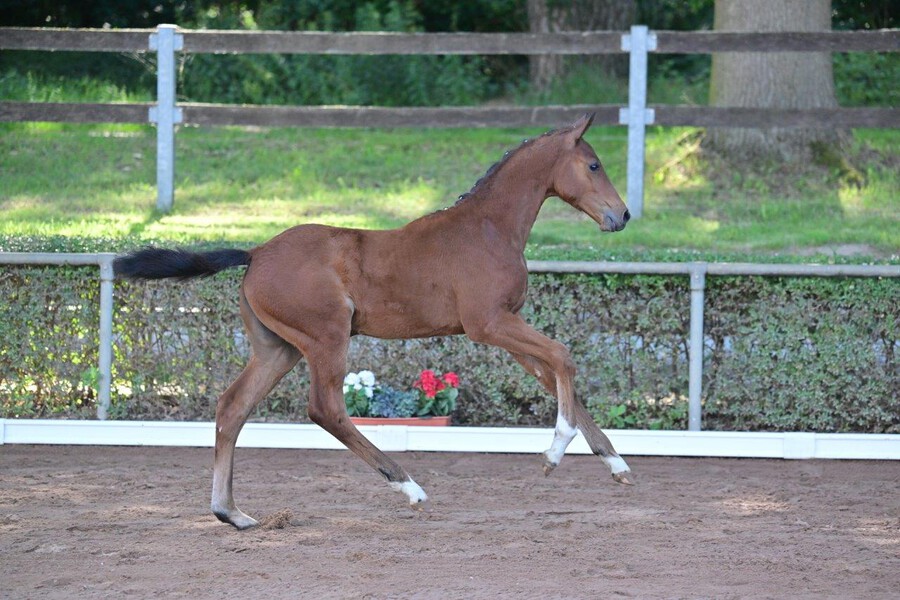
x: 429, y: 383
x: 451, y: 379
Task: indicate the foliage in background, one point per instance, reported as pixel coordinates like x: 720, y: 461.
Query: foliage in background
x: 781, y: 354
x: 49, y: 368
x: 867, y: 78
x: 448, y: 15
x: 817, y: 355
x: 308, y: 79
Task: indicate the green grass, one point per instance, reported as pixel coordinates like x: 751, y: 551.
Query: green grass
x: 30, y: 86
x: 239, y: 185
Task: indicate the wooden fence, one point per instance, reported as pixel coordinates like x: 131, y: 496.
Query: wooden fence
x: 637, y: 115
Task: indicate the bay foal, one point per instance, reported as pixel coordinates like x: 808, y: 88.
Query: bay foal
x: 458, y: 271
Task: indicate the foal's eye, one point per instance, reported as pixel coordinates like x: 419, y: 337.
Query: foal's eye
x: 594, y: 166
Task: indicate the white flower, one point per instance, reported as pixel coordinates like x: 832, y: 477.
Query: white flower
x: 351, y: 379
x: 369, y: 392
x: 367, y: 378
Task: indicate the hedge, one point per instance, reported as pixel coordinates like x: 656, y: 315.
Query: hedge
x: 803, y: 354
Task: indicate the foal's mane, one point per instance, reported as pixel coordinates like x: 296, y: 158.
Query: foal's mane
x: 495, y: 168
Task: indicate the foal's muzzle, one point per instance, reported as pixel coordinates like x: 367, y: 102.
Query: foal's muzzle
x: 613, y: 222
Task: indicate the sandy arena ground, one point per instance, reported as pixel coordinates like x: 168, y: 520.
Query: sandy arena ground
x: 94, y: 522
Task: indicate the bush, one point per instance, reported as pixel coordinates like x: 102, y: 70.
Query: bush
x: 780, y: 353
x: 315, y: 79
x: 48, y: 358
x: 867, y: 78
x: 811, y: 355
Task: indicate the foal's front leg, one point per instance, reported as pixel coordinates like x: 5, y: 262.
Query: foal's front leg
x: 551, y: 363
x: 564, y: 433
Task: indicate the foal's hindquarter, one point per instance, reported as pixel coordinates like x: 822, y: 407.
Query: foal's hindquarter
x: 461, y: 270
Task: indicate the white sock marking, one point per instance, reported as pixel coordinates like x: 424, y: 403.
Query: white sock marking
x: 412, y: 490
x: 562, y: 437
x: 616, y: 464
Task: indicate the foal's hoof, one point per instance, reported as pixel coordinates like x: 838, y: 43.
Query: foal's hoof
x: 623, y: 478
x: 549, y: 463
x: 548, y: 467
x: 423, y: 506
x: 237, y: 518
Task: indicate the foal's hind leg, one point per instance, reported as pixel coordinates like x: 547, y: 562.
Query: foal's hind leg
x: 328, y: 410
x: 326, y: 355
x: 272, y: 358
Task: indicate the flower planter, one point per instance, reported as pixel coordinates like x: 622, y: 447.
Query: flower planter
x: 415, y: 421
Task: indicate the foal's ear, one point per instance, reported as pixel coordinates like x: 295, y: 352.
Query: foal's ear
x: 579, y: 127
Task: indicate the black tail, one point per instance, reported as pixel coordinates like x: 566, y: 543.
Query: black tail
x: 159, y: 263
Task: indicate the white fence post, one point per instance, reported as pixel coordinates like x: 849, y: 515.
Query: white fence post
x: 165, y: 114
x: 695, y: 356
x: 104, y: 384
x: 637, y: 116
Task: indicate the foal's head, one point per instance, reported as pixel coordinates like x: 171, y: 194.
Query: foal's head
x: 579, y: 179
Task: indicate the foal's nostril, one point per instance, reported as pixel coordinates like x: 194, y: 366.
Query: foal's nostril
x: 626, y: 216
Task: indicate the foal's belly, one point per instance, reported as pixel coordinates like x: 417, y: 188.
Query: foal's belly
x: 394, y: 319
x: 406, y: 333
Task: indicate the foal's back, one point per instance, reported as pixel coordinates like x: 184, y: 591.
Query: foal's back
x: 398, y: 283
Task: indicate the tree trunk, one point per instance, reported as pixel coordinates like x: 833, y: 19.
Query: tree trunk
x: 544, y: 68
x: 551, y: 16
x: 771, y: 79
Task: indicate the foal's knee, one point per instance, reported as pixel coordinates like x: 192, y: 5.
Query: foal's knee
x: 317, y: 414
x: 324, y: 414
x: 562, y: 361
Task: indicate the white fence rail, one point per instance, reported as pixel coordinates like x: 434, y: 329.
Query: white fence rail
x: 400, y: 438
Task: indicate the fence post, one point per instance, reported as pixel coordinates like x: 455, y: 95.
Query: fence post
x: 165, y: 114
x: 695, y: 355
x: 637, y: 116
x: 106, y: 315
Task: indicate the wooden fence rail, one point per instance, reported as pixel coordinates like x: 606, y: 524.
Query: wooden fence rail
x: 200, y: 114
x: 313, y: 42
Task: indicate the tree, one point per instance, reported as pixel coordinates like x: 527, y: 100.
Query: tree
x: 771, y: 79
x: 551, y: 16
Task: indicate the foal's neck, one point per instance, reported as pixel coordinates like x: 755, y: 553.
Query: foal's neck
x: 515, y: 193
